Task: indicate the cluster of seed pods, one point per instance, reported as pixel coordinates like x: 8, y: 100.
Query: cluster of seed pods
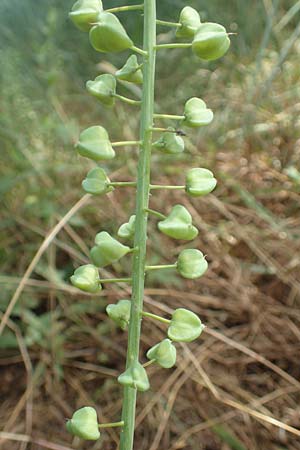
x: 208, y: 41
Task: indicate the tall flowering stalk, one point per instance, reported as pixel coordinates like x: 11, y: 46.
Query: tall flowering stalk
x: 208, y: 41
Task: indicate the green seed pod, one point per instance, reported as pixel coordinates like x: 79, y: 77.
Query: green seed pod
x: 136, y: 377
x: 109, y: 35
x: 120, y: 313
x: 103, y: 88
x: 94, y: 143
x: 86, y: 278
x: 211, y: 41
x: 84, y: 424
x: 178, y: 224
x: 196, y: 114
x: 96, y: 182
x: 126, y: 231
x: 185, y: 326
x: 84, y: 13
x: 164, y: 354
x: 131, y: 71
x: 107, y: 250
x: 190, y: 22
x: 191, y: 264
x: 169, y: 143
x: 199, y: 182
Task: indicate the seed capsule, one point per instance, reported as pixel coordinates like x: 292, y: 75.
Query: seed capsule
x: 120, y: 313
x: 178, y: 224
x: 190, y: 21
x: 185, y: 326
x: 199, y: 182
x: 109, y: 35
x: 86, y: 278
x: 211, y: 41
x: 126, y: 231
x: 170, y: 143
x: 136, y: 377
x: 84, y: 13
x: 131, y: 71
x: 94, y: 143
x: 196, y: 114
x: 84, y: 424
x: 103, y: 88
x: 96, y: 182
x: 107, y: 250
x: 191, y: 264
x: 164, y: 354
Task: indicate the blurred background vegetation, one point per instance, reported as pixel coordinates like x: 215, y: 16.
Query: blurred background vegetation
x: 58, y: 350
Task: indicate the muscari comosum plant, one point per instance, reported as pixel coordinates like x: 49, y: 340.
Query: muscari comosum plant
x: 208, y: 41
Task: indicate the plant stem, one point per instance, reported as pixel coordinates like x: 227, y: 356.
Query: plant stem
x: 156, y: 213
x: 142, y: 201
x: 111, y: 425
x: 161, y: 266
x: 148, y: 363
x: 139, y: 51
x: 154, y: 316
x: 168, y: 24
x: 122, y: 183
x: 122, y: 143
x: 175, y: 45
x: 127, y: 100
x: 168, y: 116
x: 126, y: 8
x: 162, y: 186
x: 115, y: 280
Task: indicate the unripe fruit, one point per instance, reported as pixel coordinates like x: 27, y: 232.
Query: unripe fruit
x: 211, y: 41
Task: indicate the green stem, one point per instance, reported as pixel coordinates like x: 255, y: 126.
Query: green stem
x: 122, y: 183
x: 148, y: 363
x: 175, y: 45
x: 125, y: 8
x: 111, y: 425
x: 168, y: 116
x: 161, y: 266
x: 156, y: 213
x: 115, y: 280
x: 139, y: 51
x: 127, y: 100
x: 168, y: 24
x: 154, y: 316
x: 140, y: 237
x: 122, y: 143
x: 162, y: 186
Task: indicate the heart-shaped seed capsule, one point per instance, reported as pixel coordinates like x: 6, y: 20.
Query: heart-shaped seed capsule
x: 126, y: 230
x: 196, y: 114
x: 120, y: 313
x: 164, y: 354
x: 86, y: 278
x: 136, y: 377
x: 211, y: 41
x: 131, y: 71
x: 185, y: 326
x: 84, y: 424
x: 103, y: 88
x: 94, y: 143
x: 84, y: 13
x: 190, y: 21
x: 107, y: 250
x: 178, y: 224
x: 109, y: 35
x: 96, y: 182
x: 199, y: 182
x: 170, y: 143
x: 191, y: 264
